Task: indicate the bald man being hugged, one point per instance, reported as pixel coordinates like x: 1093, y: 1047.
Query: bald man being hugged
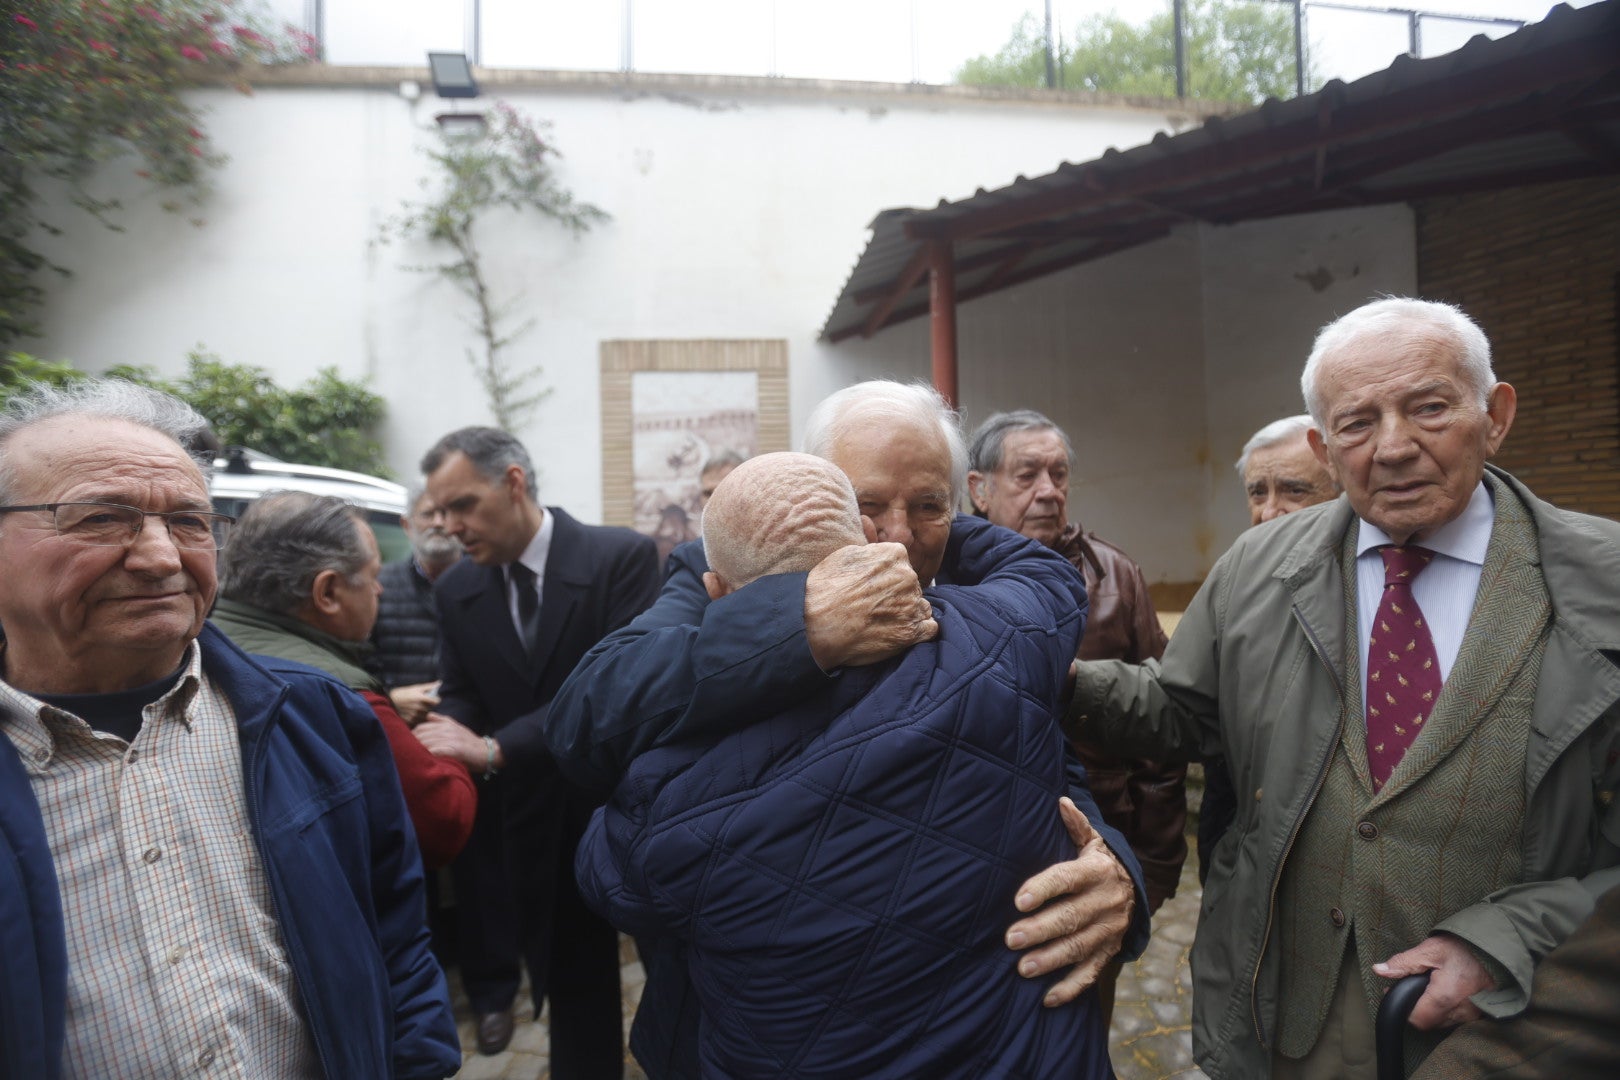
x: 842, y: 872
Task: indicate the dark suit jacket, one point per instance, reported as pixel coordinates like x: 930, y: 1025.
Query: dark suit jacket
x: 597, y: 579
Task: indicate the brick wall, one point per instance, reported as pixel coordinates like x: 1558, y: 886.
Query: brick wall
x: 1539, y: 268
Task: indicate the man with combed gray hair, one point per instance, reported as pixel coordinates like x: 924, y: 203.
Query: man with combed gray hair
x: 204, y: 861
x: 839, y: 902
x: 1280, y: 475
x: 851, y: 416
x: 299, y: 581
x: 537, y: 590
x: 1411, y: 688
x: 715, y: 469
x: 691, y: 667
x: 1280, y: 472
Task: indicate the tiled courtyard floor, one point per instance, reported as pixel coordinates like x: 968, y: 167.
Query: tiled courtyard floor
x: 1151, y: 1038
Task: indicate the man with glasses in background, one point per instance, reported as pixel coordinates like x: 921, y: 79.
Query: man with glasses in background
x: 202, y: 862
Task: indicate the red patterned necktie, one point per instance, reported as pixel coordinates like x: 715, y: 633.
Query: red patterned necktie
x: 1403, y: 673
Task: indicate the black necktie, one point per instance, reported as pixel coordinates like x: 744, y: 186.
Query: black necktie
x: 528, y: 605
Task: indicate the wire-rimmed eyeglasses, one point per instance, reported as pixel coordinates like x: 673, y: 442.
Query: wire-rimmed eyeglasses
x: 104, y: 524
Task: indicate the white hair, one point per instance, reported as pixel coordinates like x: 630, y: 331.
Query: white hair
x: 1398, y: 318
x: 778, y: 514
x: 1278, y: 431
x: 916, y: 403
x: 103, y: 399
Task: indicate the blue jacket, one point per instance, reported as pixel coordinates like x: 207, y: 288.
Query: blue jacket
x: 326, y: 811
x: 689, y: 669
x: 842, y: 872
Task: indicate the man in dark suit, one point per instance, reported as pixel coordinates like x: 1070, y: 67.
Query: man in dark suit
x: 537, y: 590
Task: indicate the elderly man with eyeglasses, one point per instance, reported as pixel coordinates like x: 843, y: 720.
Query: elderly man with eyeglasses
x: 204, y: 862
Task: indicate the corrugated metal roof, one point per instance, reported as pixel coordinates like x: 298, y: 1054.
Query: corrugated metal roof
x: 1537, y: 105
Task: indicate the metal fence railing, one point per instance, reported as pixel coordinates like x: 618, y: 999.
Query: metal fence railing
x: 923, y: 41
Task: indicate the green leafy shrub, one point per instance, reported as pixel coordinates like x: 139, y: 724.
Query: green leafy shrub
x: 20, y: 371
x: 1235, y: 51
x: 328, y: 420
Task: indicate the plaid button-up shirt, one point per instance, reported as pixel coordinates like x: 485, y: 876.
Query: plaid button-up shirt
x: 176, y: 965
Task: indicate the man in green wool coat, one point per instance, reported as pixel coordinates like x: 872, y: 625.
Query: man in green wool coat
x: 1414, y: 687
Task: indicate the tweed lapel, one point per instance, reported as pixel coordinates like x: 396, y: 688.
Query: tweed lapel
x: 1510, y: 615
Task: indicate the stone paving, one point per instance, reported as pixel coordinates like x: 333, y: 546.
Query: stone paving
x: 529, y: 1056
x: 1151, y: 1037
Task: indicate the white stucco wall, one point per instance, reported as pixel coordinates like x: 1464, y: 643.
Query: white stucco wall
x: 1112, y: 352
x: 738, y: 210
x: 1161, y: 361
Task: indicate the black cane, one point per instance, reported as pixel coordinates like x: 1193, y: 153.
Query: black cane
x: 1390, y: 1027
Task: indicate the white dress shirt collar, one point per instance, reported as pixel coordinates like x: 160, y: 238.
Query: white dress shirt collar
x: 1464, y: 537
x: 1446, y: 591
x: 534, y: 556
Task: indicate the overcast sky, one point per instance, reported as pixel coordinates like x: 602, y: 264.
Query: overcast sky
x: 886, y: 40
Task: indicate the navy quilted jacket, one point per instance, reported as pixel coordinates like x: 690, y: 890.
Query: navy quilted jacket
x: 842, y: 873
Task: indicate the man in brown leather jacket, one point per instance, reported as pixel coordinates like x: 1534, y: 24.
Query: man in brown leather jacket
x: 1018, y: 477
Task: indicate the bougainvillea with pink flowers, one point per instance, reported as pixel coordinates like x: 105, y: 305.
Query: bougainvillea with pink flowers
x: 93, y: 84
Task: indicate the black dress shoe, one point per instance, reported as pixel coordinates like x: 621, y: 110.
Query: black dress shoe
x: 494, y: 1031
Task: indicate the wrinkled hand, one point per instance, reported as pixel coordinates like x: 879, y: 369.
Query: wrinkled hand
x: 863, y: 605
x: 1458, y: 976
x: 414, y: 702
x: 1084, y: 924
x: 449, y: 738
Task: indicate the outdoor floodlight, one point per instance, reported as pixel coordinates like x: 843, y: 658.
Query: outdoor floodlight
x: 461, y: 125
x: 452, y: 75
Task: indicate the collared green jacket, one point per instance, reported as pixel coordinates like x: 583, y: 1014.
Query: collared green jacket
x: 1254, y: 671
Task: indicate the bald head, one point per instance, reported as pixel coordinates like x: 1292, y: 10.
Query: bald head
x: 777, y: 514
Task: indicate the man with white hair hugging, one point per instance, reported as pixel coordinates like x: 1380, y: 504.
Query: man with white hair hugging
x: 842, y: 872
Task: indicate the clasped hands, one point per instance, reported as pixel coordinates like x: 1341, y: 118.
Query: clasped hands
x: 446, y: 737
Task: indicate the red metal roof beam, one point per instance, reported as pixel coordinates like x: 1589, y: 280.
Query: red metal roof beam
x: 914, y: 269
x: 1029, y: 273
x: 942, y: 318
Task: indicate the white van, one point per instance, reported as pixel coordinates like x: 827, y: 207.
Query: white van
x: 244, y: 475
